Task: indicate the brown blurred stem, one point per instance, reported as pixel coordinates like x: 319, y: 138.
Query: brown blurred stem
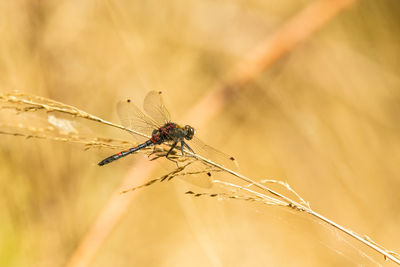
x: 284, y: 40
x: 267, y: 52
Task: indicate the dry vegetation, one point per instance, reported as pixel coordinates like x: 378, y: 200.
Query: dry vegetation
x: 313, y: 109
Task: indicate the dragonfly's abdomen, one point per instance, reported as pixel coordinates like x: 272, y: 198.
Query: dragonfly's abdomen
x: 124, y: 153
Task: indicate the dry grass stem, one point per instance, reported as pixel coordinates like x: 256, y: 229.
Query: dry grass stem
x: 223, y: 196
x: 26, y: 103
x: 43, y: 133
x: 287, y: 186
x: 29, y: 103
x: 301, y: 207
x: 265, y: 198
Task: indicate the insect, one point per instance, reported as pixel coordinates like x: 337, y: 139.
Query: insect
x: 169, y: 132
x: 158, y: 126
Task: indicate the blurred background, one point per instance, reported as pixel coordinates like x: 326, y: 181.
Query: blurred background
x: 325, y: 119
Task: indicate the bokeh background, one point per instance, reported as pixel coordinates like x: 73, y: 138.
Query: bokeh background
x: 324, y: 118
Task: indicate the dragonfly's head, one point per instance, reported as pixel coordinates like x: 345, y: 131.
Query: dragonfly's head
x: 189, y: 132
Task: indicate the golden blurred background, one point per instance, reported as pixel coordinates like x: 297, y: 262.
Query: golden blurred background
x: 323, y: 118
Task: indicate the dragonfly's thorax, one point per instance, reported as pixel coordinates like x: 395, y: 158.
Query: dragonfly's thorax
x: 171, y: 132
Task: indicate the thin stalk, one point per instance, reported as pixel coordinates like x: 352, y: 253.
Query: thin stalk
x: 301, y: 207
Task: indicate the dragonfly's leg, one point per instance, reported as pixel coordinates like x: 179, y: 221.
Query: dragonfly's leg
x: 172, y: 147
x: 169, y: 152
x: 183, y: 144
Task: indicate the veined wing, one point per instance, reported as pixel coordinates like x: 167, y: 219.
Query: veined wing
x: 154, y: 106
x: 212, y: 154
x: 133, y: 118
x: 201, y: 174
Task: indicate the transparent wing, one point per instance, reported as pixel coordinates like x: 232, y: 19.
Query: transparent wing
x: 154, y: 106
x: 201, y: 174
x: 197, y: 175
x: 213, y: 154
x: 133, y: 118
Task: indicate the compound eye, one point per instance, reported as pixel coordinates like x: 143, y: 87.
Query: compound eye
x: 189, y: 132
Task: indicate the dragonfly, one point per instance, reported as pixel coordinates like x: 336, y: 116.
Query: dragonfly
x: 156, y: 124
